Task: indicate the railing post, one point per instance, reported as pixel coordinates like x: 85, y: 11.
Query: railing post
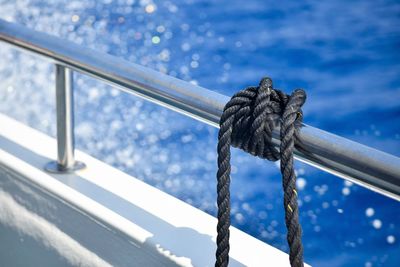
x: 65, y: 123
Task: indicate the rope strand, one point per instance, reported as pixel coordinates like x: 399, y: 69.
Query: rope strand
x: 247, y: 123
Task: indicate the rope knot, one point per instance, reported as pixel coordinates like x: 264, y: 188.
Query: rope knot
x: 255, y: 113
x: 248, y: 122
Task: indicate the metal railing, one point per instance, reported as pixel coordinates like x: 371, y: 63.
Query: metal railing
x: 65, y: 124
x: 361, y: 164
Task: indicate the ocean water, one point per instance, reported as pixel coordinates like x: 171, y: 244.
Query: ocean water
x: 345, y: 54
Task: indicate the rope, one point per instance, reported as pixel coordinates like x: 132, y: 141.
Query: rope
x: 247, y: 123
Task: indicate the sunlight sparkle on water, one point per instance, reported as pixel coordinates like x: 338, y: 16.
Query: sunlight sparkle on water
x: 155, y: 40
x: 346, y: 191
x: 150, y: 8
x: 369, y: 212
x: 75, y: 18
x: 301, y: 183
x: 377, y: 224
x: 390, y: 239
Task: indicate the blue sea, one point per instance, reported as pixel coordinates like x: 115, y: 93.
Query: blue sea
x: 345, y: 54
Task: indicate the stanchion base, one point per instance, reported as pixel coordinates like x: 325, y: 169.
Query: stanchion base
x: 54, y: 167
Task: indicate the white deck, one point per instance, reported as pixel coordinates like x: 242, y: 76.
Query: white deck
x: 101, y: 216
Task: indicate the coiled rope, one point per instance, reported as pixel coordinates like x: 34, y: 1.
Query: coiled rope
x: 247, y: 123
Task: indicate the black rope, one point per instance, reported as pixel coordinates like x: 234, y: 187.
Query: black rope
x: 247, y: 123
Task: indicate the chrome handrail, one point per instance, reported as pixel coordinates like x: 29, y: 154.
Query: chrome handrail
x: 361, y: 164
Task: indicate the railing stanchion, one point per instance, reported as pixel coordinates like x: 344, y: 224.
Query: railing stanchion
x: 65, y: 123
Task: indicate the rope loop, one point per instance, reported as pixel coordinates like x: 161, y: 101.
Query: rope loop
x: 248, y: 122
